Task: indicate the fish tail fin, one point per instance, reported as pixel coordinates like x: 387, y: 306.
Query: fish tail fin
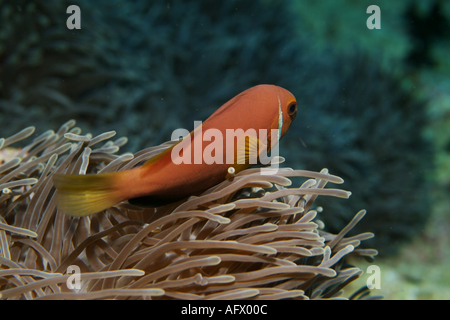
x: 82, y: 195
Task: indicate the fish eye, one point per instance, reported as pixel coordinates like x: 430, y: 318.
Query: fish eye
x: 292, y: 108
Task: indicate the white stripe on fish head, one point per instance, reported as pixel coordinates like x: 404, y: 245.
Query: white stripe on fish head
x: 280, y: 119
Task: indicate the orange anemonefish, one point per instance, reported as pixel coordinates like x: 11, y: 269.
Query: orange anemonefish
x: 160, y: 181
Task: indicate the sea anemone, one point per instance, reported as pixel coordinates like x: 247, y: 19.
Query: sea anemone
x: 355, y: 120
x: 250, y: 237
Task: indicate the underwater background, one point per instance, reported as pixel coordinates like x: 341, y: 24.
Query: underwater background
x: 374, y: 104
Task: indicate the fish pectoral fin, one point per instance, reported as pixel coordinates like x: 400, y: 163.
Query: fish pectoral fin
x: 82, y: 195
x: 248, y: 150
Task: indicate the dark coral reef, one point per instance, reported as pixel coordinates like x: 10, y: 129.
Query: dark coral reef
x: 146, y: 68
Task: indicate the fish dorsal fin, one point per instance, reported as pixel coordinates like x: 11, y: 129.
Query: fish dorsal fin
x: 158, y: 156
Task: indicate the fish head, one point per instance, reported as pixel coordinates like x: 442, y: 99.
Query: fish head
x: 287, y: 110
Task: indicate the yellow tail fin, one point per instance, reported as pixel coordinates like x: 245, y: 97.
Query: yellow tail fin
x: 82, y: 195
